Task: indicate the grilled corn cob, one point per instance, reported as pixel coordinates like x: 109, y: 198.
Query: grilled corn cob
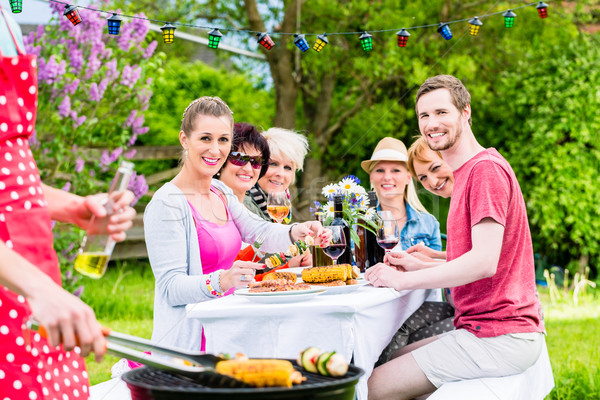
x: 261, y: 372
x: 325, y: 274
x: 288, y: 276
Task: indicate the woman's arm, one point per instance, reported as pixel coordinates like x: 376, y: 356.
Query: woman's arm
x: 63, y: 315
x: 71, y: 208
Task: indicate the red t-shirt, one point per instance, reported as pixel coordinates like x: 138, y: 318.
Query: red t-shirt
x: 486, y: 187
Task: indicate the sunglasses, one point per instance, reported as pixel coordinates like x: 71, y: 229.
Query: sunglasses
x: 240, y: 159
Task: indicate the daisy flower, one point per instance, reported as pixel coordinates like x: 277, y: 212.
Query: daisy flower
x: 329, y: 190
x: 328, y: 208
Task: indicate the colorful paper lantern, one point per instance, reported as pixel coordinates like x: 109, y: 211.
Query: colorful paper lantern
x: 542, y: 9
x: 265, y: 40
x: 445, y: 31
x: 402, y: 37
x: 509, y: 18
x: 320, y: 43
x: 16, y: 6
x: 168, y: 31
x: 114, y: 25
x: 214, y: 38
x: 474, y: 25
x: 301, y: 42
x: 366, y: 40
x: 72, y: 14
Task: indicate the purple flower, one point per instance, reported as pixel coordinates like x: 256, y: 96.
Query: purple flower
x: 77, y: 121
x: 94, y: 93
x: 150, y: 49
x: 115, y: 154
x: 129, y: 121
x: 79, y: 164
x: 78, y: 292
x: 67, y: 186
x: 65, y: 107
x: 104, y: 160
x: 71, y: 87
x: 69, y: 273
x: 129, y: 155
x: 111, y: 71
x: 138, y: 186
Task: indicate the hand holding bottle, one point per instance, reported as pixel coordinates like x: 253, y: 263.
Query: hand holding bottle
x: 97, y: 245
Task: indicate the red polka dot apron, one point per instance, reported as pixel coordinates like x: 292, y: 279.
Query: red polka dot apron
x: 30, y: 368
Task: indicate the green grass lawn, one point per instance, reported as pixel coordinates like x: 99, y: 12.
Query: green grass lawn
x: 123, y: 301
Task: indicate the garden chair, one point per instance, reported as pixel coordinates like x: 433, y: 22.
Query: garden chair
x: 533, y: 384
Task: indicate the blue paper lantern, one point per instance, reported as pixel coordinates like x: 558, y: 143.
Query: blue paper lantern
x: 114, y: 24
x: 445, y: 31
x: 301, y: 42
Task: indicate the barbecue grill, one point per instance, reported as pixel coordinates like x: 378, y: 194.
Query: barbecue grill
x: 151, y: 384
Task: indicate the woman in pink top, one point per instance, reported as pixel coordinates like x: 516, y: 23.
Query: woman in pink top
x: 195, y: 224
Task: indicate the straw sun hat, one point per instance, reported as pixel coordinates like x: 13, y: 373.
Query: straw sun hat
x: 388, y: 149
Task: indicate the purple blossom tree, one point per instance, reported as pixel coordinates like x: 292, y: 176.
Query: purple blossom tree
x: 93, y: 91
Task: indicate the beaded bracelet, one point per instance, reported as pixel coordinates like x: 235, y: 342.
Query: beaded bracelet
x: 210, y: 288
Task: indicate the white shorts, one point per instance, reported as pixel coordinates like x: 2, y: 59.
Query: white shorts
x: 459, y: 355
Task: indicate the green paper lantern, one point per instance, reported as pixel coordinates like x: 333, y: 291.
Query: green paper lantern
x: 366, y: 40
x: 214, y: 37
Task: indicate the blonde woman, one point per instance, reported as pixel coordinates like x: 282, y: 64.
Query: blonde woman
x: 392, y: 181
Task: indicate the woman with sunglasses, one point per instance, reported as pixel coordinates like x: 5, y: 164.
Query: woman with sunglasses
x: 194, y: 226
x: 247, y: 161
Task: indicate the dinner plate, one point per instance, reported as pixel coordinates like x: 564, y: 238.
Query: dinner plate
x: 342, y: 289
x: 289, y: 296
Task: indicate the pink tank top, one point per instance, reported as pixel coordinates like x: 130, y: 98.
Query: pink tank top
x: 219, y: 244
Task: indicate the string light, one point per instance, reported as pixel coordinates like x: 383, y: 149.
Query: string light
x: 168, y: 31
x: 366, y: 40
x: 509, y: 18
x: 72, y: 14
x: 402, y: 37
x: 320, y: 43
x: 214, y: 38
x: 114, y: 24
x: 301, y: 42
x: 542, y: 9
x: 16, y: 6
x: 445, y: 31
x: 474, y: 25
x: 265, y: 40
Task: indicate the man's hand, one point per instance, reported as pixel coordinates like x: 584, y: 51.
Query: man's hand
x: 382, y: 275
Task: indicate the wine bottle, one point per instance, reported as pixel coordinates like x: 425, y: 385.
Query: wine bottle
x: 369, y: 253
x: 319, y: 258
x: 338, y: 219
x: 96, y: 249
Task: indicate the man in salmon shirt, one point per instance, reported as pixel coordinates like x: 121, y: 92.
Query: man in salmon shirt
x: 489, y: 268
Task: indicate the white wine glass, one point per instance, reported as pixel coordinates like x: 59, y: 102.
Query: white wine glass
x: 278, y: 205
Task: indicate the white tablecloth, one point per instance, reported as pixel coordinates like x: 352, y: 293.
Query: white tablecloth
x: 358, y: 324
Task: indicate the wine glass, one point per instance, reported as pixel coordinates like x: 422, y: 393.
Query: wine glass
x: 337, y: 244
x: 278, y: 205
x: 388, y: 234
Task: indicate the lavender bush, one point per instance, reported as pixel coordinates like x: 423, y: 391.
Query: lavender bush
x: 93, y: 91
